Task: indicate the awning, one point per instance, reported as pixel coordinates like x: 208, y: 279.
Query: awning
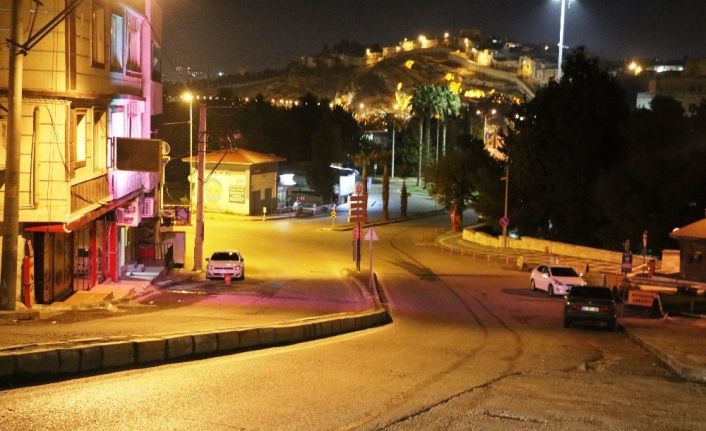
x: 48, y: 228
x: 84, y: 219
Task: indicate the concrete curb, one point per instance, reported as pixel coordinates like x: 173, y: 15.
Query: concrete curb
x: 103, y: 356
x: 688, y: 372
x: 349, y: 226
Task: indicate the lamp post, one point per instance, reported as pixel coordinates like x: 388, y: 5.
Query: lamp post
x: 564, y: 5
x: 190, y: 98
x: 507, y: 190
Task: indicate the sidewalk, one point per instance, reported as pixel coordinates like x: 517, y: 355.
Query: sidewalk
x: 676, y: 341
x: 173, y: 319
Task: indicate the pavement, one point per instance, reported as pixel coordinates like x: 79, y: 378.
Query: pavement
x: 96, y: 331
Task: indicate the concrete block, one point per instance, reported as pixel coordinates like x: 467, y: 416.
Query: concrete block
x: 205, y: 344
x: 347, y: 324
x: 37, y: 363
x: 69, y: 360
x: 150, y: 350
x: 283, y: 335
x: 309, y: 331
x: 248, y: 338
x: 178, y: 347
x: 228, y: 340
x: 265, y: 336
x: 91, y: 358
x: 297, y: 333
x: 326, y: 328
x: 7, y: 367
x: 335, y: 326
x: 118, y: 354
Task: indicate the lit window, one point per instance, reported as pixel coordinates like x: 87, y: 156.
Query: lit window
x: 117, y: 36
x: 80, y: 140
x: 100, y: 136
x: 98, y: 34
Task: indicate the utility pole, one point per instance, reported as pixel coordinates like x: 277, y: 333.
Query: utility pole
x: 200, y: 167
x: 11, y: 214
x: 507, y: 189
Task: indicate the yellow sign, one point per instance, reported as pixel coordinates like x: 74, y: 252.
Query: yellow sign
x: 333, y: 214
x: 643, y: 299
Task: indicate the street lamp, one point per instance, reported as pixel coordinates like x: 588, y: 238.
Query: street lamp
x: 564, y: 5
x: 190, y: 98
x: 485, y: 122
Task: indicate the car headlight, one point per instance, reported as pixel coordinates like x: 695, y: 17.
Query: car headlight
x: 558, y: 283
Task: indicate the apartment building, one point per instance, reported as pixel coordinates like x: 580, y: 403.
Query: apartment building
x: 89, y: 174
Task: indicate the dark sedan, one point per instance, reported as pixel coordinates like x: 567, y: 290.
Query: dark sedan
x: 590, y: 304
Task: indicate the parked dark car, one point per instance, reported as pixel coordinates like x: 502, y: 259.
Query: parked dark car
x: 590, y: 304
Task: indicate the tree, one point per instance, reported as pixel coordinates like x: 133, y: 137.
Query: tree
x: 450, y: 107
x: 326, y: 147
x: 570, y: 136
x: 404, y: 170
x: 649, y: 190
x: 450, y: 182
x: 425, y: 102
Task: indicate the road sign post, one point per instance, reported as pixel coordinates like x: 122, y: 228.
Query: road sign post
x: 370, y: 237
x: 356, y: 246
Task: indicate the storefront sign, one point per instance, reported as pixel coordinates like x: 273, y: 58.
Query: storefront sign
x: 129, y: 215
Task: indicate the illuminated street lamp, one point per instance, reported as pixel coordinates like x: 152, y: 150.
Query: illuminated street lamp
x: 485, y: 123
x: 190, y: 98
x: 564, y: 5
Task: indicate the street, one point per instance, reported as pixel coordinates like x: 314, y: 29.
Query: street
x: 471, y: 347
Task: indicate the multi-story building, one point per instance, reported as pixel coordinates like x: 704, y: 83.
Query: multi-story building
x: 84, y: 208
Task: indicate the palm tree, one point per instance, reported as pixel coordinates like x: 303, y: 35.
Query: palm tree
x: 450, y: 107
x: 424, y: 102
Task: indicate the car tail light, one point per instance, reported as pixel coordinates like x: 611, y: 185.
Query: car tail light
x: 605, y: 309
x: 574, y: 307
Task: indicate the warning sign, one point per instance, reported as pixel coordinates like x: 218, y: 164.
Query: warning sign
x: 643, y: 299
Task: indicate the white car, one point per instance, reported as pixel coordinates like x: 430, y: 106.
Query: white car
x: 226, y: 262
x: 556, y: 280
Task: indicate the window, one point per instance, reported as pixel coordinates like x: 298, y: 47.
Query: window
x: 3, y: 142
x: 100, y: 136
x: 117, y: 36
x: 98, y: 35
x: 80, y: 141
x: 134, y: 42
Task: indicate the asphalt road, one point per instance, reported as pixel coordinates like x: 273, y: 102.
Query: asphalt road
x: 471, y: 347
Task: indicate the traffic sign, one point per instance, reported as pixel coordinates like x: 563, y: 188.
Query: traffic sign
x: 357, y: 208
x: 504, y: 221
x: 371, y: 235
x: 626, y: 264
x: 334, y: 214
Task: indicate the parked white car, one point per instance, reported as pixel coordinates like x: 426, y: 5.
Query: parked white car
x: 226, y: 262
x: 555, y: 280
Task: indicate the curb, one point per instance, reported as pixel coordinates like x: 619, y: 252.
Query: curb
x: 349, y: 226
x: 104, y: 356
x: 688, y: 372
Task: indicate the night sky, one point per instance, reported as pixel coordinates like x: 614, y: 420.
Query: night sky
x: 236, y: 35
